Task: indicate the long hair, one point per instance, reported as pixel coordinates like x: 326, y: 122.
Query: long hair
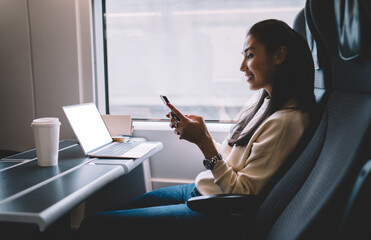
x: 293, y: 78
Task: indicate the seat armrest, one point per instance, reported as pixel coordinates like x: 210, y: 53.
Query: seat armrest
x: 231, y: 204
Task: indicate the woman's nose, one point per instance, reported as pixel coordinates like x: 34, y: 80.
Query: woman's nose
x: 243, y: 67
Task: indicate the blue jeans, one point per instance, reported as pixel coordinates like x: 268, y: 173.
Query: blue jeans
x: 156, y: 215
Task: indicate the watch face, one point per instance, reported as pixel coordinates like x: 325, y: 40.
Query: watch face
x: 208, y: 164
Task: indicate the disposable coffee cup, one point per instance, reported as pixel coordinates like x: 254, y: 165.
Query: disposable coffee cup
x: 46, y: 136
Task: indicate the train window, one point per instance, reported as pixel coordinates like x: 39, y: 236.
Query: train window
x: 187, y: 50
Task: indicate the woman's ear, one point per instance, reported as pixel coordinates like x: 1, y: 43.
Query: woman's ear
x: 280, y: 55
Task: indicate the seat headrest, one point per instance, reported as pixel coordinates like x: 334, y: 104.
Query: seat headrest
x: 343, y: 28
x: 348, y: 26
x: 301, y: 27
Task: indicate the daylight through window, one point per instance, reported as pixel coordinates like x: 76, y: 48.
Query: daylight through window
x: 187, y: 50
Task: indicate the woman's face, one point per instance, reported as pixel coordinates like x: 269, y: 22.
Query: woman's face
x: 258, y: 65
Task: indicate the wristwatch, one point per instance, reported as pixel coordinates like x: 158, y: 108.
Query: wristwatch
x: 209, y: 163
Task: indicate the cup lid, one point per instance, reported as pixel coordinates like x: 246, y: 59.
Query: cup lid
x: 46, y: 121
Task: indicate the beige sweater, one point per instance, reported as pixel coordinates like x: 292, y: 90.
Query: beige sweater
x: 247, y: 169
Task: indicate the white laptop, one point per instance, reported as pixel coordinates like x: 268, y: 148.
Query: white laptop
x: 94, y: 137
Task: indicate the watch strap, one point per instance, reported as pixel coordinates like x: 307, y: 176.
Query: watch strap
x: 209, y: 163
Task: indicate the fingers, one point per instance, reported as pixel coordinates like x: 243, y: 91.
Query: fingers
x: 177, y: 133
x: 188, y: 127
x: 176, y: 112
x: 176, y: 129
x: 173, y: 121
x: 175, y: 124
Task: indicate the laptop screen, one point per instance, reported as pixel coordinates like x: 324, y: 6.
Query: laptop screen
x: 88, y: 126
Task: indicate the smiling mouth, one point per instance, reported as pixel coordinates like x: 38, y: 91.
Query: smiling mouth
x: 249, y: 76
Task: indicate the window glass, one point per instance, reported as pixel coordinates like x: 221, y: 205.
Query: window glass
x: 188, y: 50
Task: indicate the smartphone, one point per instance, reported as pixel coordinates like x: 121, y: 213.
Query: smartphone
x: 166, y: 101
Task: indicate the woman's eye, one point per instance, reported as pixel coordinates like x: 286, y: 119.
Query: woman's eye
x: 247, y: 55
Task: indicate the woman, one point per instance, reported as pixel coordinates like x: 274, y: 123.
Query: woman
x: 277, y: 61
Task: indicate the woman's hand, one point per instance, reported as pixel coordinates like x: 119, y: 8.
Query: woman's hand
x: 193, y: 129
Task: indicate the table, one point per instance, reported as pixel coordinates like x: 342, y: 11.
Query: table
x: 41, y: 195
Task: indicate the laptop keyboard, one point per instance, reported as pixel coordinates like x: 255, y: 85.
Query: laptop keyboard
x: 117, y: 149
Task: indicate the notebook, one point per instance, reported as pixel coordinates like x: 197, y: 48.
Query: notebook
x: 94, y: 137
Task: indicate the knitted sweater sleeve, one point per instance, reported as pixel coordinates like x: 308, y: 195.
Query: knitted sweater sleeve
x: 247, y: 169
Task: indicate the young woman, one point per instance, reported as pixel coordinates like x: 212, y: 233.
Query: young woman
x: 277, y: 60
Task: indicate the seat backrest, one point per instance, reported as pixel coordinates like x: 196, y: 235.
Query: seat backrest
x: 309, y: 200
x: 301, y: 27
x: 355, y: 222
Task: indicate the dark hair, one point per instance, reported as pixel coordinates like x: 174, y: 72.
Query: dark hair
x: 293, y: 79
